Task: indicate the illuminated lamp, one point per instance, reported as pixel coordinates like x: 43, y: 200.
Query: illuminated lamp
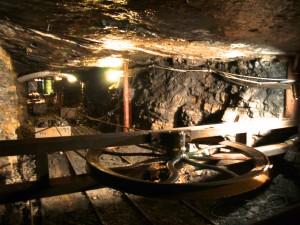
x: 58, y: 78
x: 114, y: 75
x: 71, y: 78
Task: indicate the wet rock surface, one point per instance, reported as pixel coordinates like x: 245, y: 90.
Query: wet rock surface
x: 12, y: 101
x: 73, y: 34
x: 165, y: 98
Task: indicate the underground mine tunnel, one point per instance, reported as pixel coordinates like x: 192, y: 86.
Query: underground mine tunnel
x: 149, y: 112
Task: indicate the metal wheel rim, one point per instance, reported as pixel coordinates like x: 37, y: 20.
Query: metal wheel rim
x: 217, y: 189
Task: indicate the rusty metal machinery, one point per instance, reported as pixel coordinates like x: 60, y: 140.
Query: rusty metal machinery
x: 182, y: 171
x: 180, y: 166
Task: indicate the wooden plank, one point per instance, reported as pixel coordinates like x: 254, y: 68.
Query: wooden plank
x: 252, y: 126
x: 63, y: 185
x: 241, y: 138
x: 275, y: 149
x: 78, y: 163
x: 54, y: 144
x: 75, y: 205
x: 57, y: 186
x: 42, y: 169
x: 105, y: 199
x: 244, y: 138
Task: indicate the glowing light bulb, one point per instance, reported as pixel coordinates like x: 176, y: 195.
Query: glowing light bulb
x: 114, y: 75
x: 71, y: 78
x: 58, y: 78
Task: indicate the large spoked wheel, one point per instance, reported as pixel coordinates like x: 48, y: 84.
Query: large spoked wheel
x: 214, y: 171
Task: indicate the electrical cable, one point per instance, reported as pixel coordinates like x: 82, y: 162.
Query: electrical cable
x: 245, y: 81
x: 238, y: 79
x: 181, y: 70
x: 102, y: 121
x: 42, y: 130
x: 258, y: 78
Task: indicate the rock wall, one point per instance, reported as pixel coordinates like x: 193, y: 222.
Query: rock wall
x: 13, y: 110
x: 12, y: 101
x: 165, y: 99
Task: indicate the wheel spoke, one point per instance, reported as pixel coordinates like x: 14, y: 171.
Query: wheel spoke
x: 206, y: 166
x: 220, y: 156
x: 206, y: 149
x: 151, y: 148
x: 139, y: 164
x: 151, y: 154
x: 137, y: 170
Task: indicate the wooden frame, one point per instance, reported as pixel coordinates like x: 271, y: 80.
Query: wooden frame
x: 45, y: 186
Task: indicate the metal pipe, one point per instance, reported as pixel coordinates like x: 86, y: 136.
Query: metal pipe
x: 126, y: 97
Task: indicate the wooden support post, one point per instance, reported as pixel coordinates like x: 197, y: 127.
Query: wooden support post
x: 42, y: 169
x: 244, y: 138
x: 241, y: 138
x: 291, y: 102
x: 57, y: 186
x: 297, y: 78
x: 126, y: 97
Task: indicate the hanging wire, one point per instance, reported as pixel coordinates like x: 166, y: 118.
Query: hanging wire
x: 258, y: 78
x: 242, y: 80
x: 256, y: 81
x: 181, y: 70
x: 102, y: 121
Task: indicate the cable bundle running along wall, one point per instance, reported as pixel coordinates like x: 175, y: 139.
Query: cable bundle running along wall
x: 242, y: 80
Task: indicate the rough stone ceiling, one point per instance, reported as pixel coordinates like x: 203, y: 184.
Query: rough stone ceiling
x: 70, y: 34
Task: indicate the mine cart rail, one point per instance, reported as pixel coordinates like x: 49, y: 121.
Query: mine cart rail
x: 45, y: 186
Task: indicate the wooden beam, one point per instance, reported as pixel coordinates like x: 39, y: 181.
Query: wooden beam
x: 252, y: 126
x: 290, y: 101
x: 57, y: 186
x: 64, y: 185
x: 42, y: 169
x: 55, y: 144
x: 244, y: 138
x: 275, y: 149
